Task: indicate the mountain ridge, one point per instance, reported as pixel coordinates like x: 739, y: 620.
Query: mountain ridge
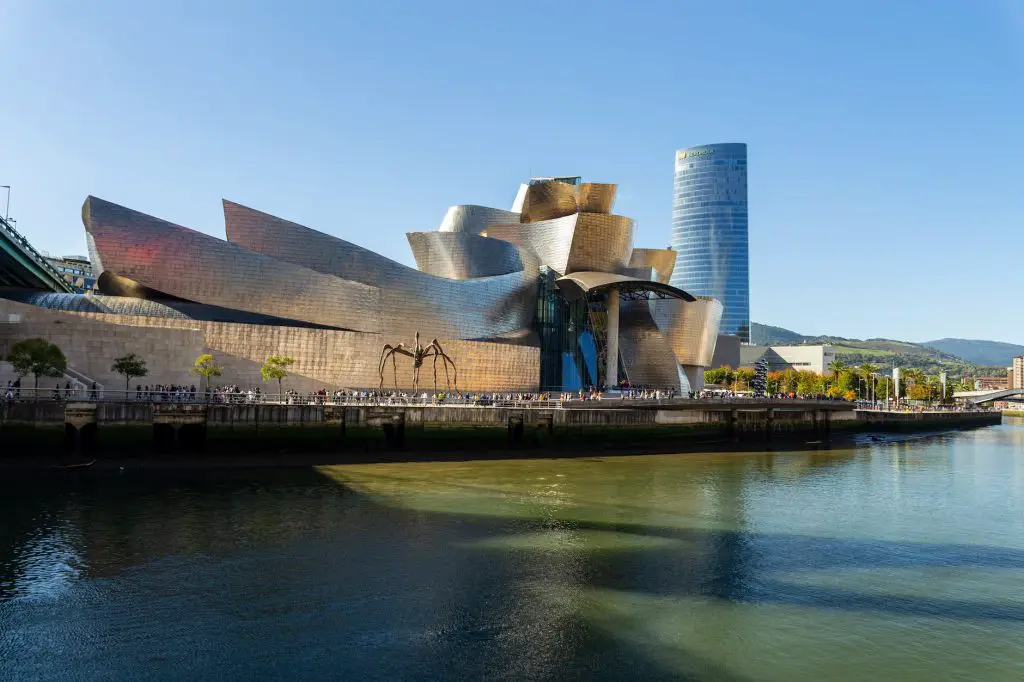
x: 969, y: 357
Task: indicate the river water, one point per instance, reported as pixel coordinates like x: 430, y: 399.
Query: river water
x: 888, y: 561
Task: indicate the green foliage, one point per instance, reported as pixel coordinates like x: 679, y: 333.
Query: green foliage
x: 129, y: 366
x: 721, y: 376
x: 206, y: 367
x: 744, y: 375
x: 276, y: 368
x: 38, y: 357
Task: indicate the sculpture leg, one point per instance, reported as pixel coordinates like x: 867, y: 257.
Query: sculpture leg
x: 381, y: 365
x: 454, y: 369
x: 435, y: 372
x: 394, y: 368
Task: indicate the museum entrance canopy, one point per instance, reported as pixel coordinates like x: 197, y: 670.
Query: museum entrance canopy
x: 580, y: 284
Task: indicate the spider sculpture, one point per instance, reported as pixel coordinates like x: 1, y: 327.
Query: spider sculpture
x: 418, y: 354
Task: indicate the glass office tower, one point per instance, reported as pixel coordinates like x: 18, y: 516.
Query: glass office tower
x: 709, y: 229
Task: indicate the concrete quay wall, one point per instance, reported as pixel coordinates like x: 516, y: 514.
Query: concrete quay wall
x: 875, y: 420
x: 28, y: 428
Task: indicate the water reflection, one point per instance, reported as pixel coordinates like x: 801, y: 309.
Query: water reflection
x: 824, y: 565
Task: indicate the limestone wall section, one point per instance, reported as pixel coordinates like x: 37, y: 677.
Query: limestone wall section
x: 324, y: 358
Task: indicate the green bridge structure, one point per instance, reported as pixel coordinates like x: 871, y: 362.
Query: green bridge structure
x: 22, y: 266
x: 982, y: 397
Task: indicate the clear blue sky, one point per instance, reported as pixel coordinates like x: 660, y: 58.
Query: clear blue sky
x: 886, y: 138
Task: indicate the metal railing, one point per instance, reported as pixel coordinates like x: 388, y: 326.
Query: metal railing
x: 78, y: 393
x: 40, y: 260
x: 352, y: 398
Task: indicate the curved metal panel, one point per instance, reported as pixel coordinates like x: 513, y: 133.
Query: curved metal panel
x: 517, y: 203
x: 461, y: 255
x: 594, y: 197
x: 581, y: 283
x: 645, y: 352
x: 549, y: 240
x: 547, y: 200
x: 691, y: 328
x: 303, y: 246
x: 168, y: 309
x: 475, y: 219
x: 115, y: 285
x: 662, y: 260
x: 601, y: 242
x: 197, y: 267
x: 410, y: 300
x: 578, y: 242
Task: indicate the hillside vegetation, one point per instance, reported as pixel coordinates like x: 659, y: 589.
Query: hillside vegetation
x: 979, y: 352
x: 882, y: 352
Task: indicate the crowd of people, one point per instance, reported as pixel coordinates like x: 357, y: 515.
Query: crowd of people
x: 235, y: 394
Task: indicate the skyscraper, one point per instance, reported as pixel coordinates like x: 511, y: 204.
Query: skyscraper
x: 709, y: 229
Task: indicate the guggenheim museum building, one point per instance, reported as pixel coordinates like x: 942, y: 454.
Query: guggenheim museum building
x: 550, y: 295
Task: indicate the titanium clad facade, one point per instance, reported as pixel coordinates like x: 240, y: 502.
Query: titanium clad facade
x: 663, y: 261
x: 554, y: 296
x: 691, y: 328
x: 462, y: 255
x: 646, y: 358
x: 392, y: 298
x: 709, y: 229
x: 547, y: 200
x: 582, y: 241
x: 595, y: 197
x: 475, y: 219
x: 410, y: 300
x: 197, y: 267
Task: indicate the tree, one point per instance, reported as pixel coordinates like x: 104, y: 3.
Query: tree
x: 718, y: 376
x: 205, y: 367
x: 742, y: 378
x: 809, y: 383
x: 838, y: 366
x: 130, y: 366
x: 276, y: 367
x: 38, y: 357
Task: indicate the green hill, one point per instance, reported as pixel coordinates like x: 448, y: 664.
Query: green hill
x: 996, y: 353
x: 882, y: 352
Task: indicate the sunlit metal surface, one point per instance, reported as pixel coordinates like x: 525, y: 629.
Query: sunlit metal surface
x: 463, y: 255
x: 277, y: 287
x: 691, y: 328
x: 663, y: 261
x: 594, y: 197
x: 197, y: 267
x: 547, y: 200
x: 487, y: 306
x: 475, y: 219
x: 582, y: 241
x: 645, y: 352
x: 128, y: 306
x: 290, y: 271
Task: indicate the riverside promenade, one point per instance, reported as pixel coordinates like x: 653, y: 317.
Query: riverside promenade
x: 411, y: 425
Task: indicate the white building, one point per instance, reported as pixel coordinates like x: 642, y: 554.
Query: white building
x: 817, y: 359
x: 1018, y: 372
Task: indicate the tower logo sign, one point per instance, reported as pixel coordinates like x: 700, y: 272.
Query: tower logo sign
x: 690, y: 153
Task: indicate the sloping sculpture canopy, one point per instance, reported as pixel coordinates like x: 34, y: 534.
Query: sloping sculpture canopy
x: 580, y: 284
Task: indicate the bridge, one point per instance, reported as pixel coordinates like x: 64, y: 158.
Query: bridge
x: 23, y: 267
x: 981, y: 397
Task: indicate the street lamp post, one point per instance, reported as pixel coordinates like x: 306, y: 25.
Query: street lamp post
x: 7, y: 210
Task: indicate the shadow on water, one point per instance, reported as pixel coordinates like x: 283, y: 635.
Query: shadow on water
x: 248, y: 574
